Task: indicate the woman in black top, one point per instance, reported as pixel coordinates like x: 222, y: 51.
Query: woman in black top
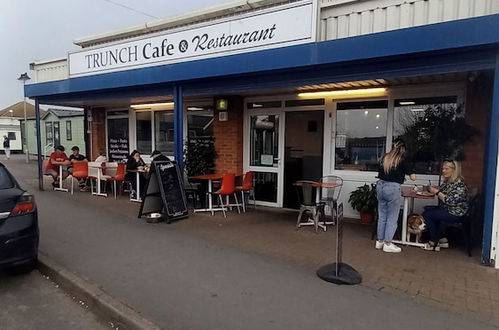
x: 136, y: 164
x: 392, y: 171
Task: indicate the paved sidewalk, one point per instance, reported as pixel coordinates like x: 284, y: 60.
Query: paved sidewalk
x: 256, y: 271
x: 31, y: 301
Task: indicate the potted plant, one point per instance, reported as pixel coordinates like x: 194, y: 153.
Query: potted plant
x: 200, y: 155
x: 441, y: 132
x: 363, y: 200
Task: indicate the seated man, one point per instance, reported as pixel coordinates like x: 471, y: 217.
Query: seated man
x: 57, y: 158
x: 77, y: 157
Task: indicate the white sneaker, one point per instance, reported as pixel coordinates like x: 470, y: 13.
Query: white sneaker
x: 392, y: 248
x: 379, y: 244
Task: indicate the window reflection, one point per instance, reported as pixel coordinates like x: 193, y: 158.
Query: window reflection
x: 199, y: 122
x: 264, y: 135
x: 360, y: 135
x: 411, y: 124
x: 163, y: 132
x: 144, y: 139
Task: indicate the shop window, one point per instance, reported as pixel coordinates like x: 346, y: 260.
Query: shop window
x: 199, y: 122
x: 413, y: 121
x: 144, y: 138
x: 11, y: 135
x: 69, y: 133
x: 264, y: 140
x: 360, y: 135
x: 163, y: 132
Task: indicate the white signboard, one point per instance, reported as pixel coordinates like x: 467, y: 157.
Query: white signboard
x: 282, y: 26
x: 267, y: 159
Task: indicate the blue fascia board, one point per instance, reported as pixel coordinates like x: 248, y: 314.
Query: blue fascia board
x: 473, y: 32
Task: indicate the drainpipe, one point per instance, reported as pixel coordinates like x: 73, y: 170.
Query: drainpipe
x: 491, y: 169
x: 178, y: 126
x: 39, y: 144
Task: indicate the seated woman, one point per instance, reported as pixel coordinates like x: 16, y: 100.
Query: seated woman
x: 452, y: 204
x: 135, y: 164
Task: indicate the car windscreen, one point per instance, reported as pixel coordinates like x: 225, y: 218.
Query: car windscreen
x: 5, y: 179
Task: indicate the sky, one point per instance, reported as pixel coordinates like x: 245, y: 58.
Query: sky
x: 40, y: 30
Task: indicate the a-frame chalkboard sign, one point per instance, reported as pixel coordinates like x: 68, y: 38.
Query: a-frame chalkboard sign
x: 164, y: 192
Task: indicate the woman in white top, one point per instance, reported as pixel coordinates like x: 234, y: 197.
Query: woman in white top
x: 102, y: 157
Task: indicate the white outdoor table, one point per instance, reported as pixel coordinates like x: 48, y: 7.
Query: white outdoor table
x: 137, y: 198
x: 98, y: 166
x: 60, y: 188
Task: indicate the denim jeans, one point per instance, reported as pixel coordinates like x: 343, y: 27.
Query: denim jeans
x: 436, y: 219
x: 389, y: 197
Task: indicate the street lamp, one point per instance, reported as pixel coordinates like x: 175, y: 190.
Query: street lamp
x: 24, y: 77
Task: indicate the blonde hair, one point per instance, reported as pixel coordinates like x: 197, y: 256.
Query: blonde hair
x: 393, y: 158
x: 456, y: 174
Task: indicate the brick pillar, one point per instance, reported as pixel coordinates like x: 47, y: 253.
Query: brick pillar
x: 229, y: 138
x: 98, y: 131
x: 478, y: 107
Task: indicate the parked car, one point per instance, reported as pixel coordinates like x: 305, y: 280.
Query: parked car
x: 19, y: 233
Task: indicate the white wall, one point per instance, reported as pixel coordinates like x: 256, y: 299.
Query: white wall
x: 11, y: 125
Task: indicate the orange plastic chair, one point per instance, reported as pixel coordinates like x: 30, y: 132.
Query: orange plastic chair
x: 246, y: 188
x: 119, y: 177
x: 80, y: 171
x: 227, y: 188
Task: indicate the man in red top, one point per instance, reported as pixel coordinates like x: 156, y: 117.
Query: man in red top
x: 57, y: 158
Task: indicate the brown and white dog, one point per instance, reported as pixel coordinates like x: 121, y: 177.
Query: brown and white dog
x: 415, y: 225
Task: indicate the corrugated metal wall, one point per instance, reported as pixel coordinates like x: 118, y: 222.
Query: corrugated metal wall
x: 342, y: 19
x: 51, y: 71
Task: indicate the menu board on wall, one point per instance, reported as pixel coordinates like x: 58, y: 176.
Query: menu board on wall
x: 117, y: 139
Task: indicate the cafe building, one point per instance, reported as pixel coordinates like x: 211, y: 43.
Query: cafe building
x: 293, y: 90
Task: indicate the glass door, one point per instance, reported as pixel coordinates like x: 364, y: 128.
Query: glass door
x: 265, y: 154
x: 304, y: 139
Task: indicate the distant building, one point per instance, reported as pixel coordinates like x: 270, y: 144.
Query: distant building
x: 59, y: 127
x: 10, y: 124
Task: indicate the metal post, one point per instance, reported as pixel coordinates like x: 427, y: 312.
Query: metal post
x: 26, y: 150
x: 38, y: 144
x: 178, y: 126
x: 24, y: 77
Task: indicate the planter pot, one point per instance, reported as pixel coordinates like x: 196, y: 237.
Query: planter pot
x: 366, y: 217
